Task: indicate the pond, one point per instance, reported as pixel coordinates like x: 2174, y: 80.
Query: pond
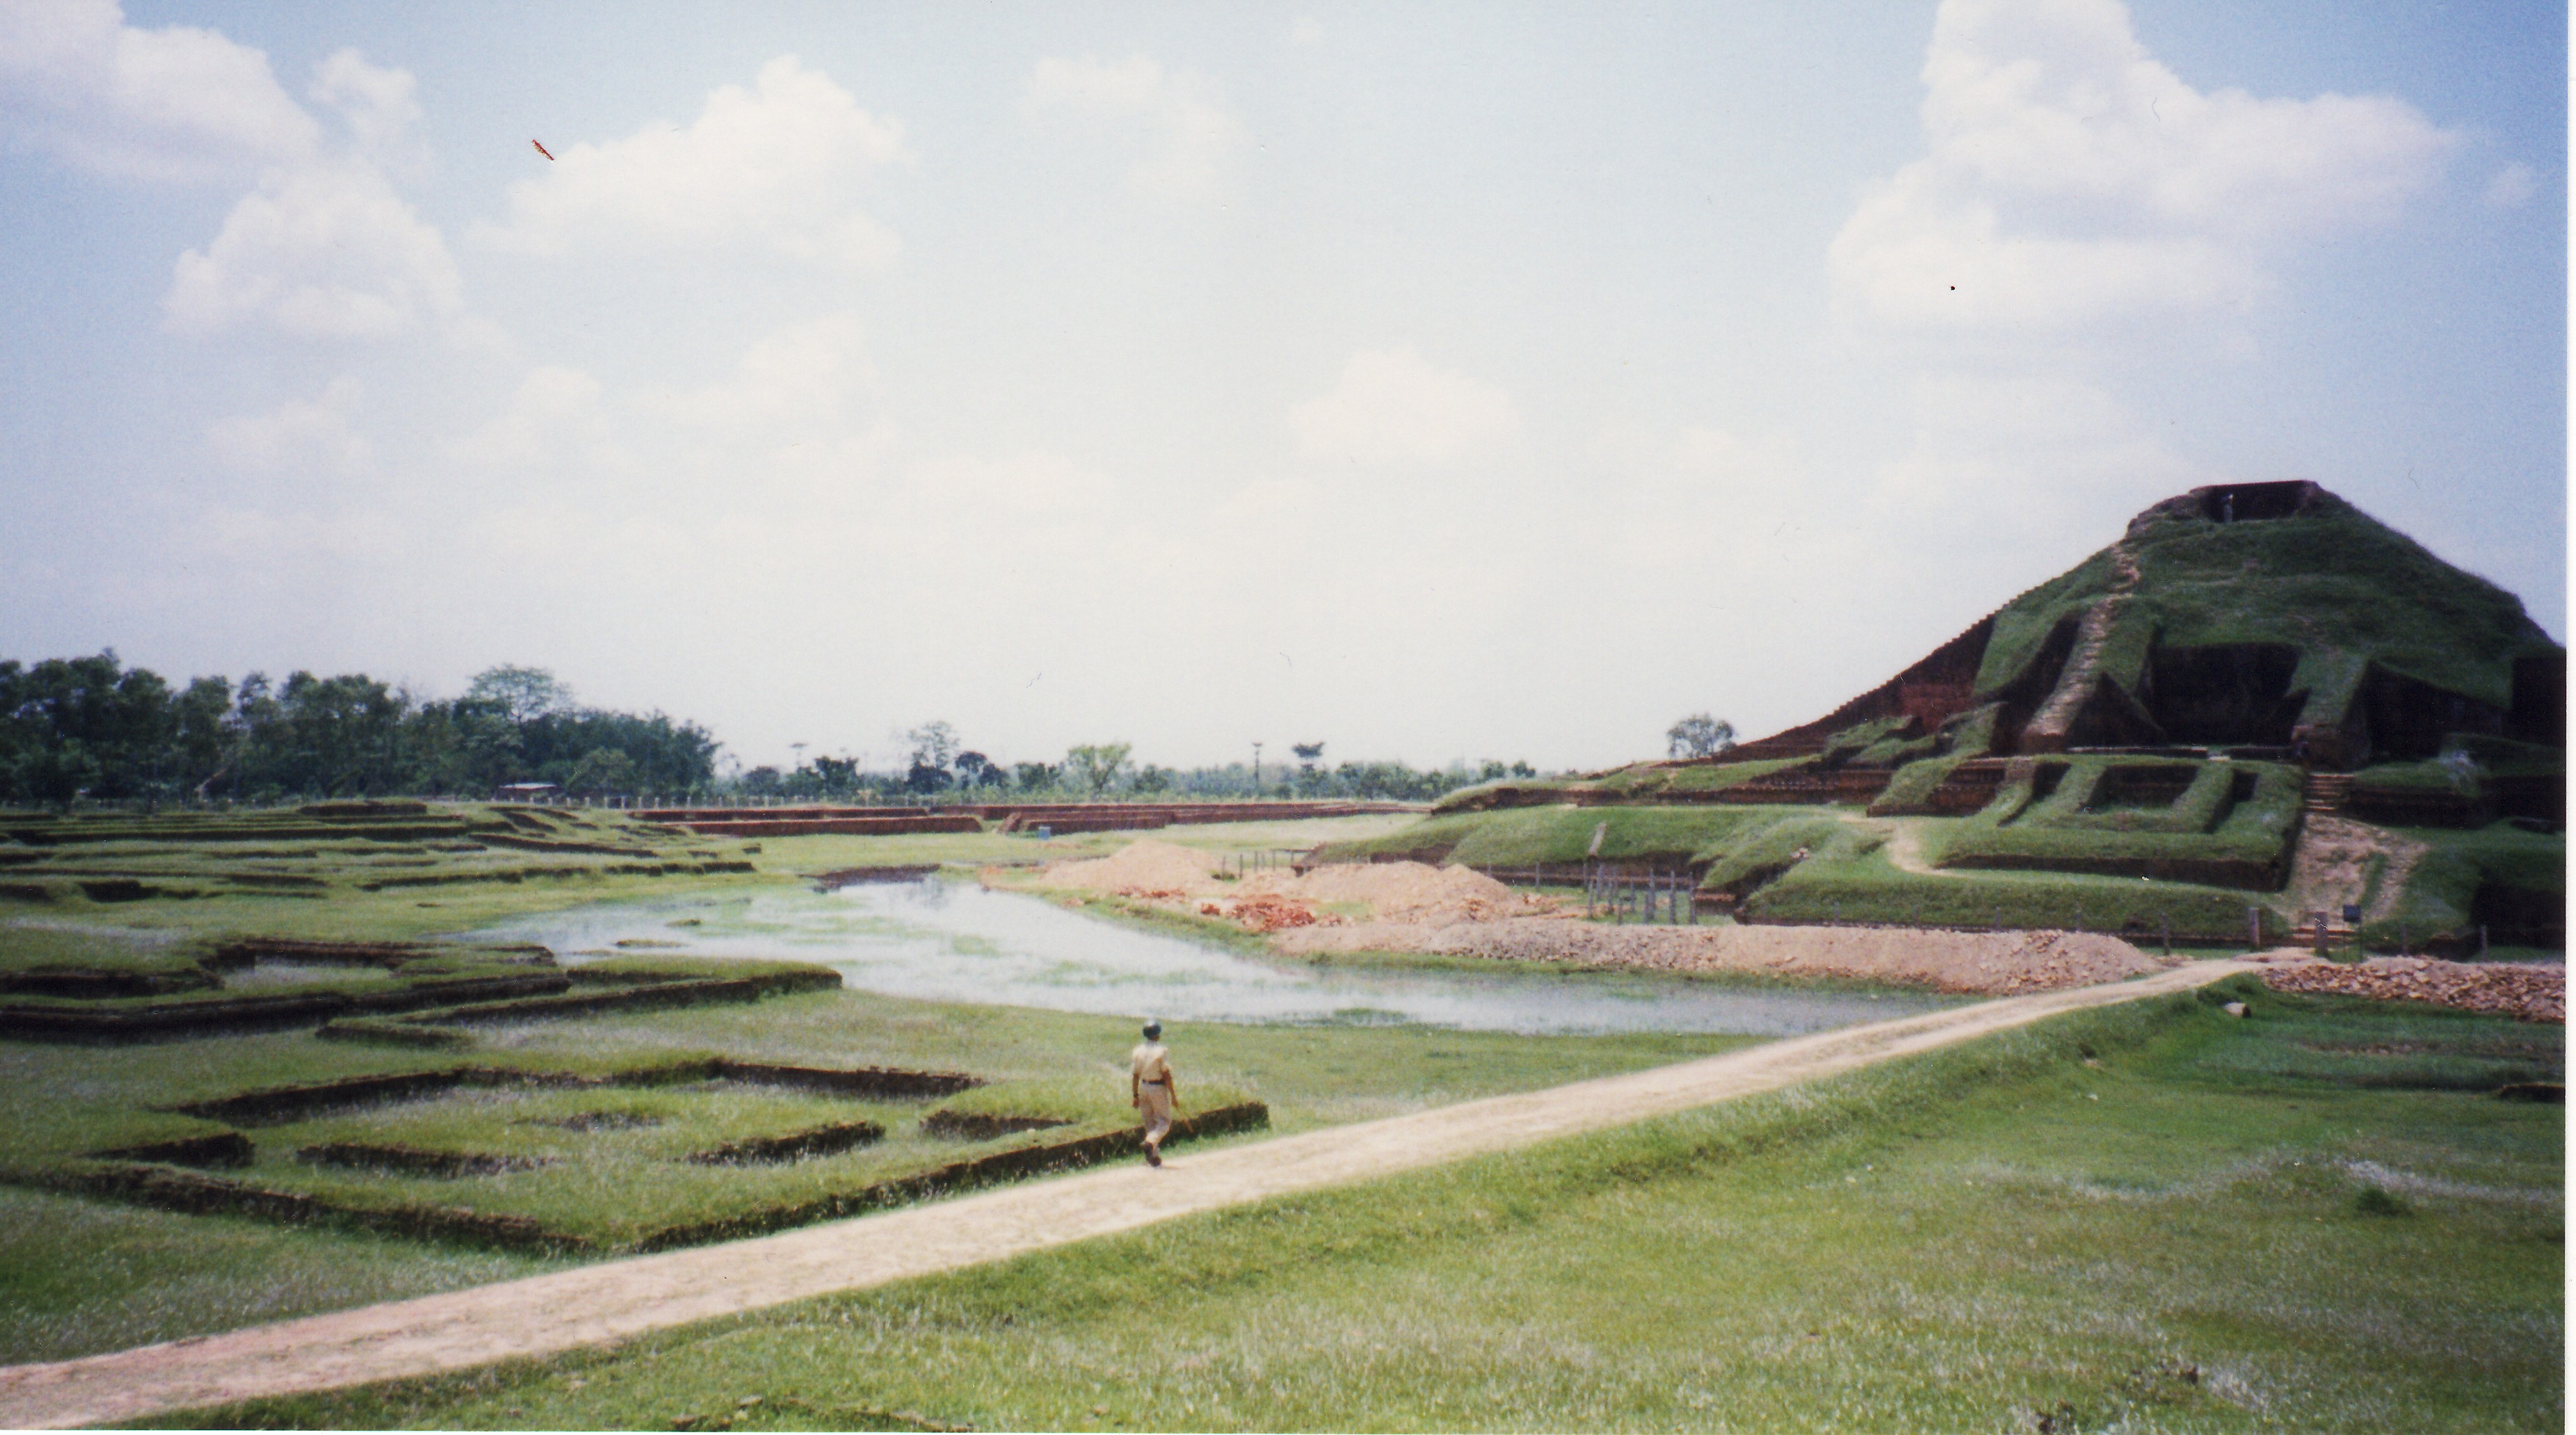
x: 957, y: 942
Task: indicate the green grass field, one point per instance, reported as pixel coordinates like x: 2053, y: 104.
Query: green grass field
x: 2155, y: 1217
x: 2316, y: 1218
x: 171, y: 1276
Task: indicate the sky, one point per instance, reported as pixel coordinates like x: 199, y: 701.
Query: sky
x: 1433, y: 381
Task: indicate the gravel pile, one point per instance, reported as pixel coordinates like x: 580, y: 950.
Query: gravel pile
x: 2526, y: 991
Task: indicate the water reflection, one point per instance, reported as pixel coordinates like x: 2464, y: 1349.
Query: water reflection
x: 947, y: 941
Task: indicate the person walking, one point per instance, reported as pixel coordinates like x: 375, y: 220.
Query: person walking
x: 1150, y: 1089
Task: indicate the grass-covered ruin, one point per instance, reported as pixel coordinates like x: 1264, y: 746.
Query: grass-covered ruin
x: 2136, y: 746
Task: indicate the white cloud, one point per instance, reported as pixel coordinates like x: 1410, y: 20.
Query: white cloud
x: 2071, y: 178
x: 322, y: 247
x: 556, y: 418
x: 310, y: 435
x: 327, y: 250
x: 1394, y: 406
x: 802, y: 377
x: 175, y: 103
x: 776, y: 166
x: 1191, y: 135
x: 2512, y: 187
x: 380, y: 105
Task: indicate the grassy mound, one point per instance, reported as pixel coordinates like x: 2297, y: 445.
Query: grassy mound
x: 2344, y: 590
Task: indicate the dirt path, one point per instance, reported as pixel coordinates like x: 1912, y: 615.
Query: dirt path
x: 601, y: 1304
x: 2335, y: 860
x: 1904, y: 846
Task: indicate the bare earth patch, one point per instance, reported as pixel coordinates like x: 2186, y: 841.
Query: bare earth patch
x: 1406, y: 892
x: 2333, y: 865
x: 1984, y: 963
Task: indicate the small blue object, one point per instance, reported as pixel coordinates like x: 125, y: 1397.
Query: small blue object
x: 2351, y: 913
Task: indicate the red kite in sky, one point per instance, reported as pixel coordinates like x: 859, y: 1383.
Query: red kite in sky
x: 541, y: 149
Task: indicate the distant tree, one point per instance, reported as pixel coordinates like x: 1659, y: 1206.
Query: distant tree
x: 1308, y: 754
x: 1699, y: 735
x: 1150, y: 779
x: 1097, y: 765
x: 1033, y: 776
x: 56, y: 774
x: 762, y: 782
x: 524, y: 694
x: 601, y: 771
x: 974, y: 769
x: 933, y: 745
x: 837, y: 776
x: 923, y: 778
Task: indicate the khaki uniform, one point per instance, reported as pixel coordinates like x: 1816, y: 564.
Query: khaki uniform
x: 1152, y: 1066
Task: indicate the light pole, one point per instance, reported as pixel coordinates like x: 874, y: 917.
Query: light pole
x: 1256, y: 768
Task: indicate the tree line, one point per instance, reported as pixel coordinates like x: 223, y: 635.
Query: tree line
x: 92, y: 727
x: 935, y: 766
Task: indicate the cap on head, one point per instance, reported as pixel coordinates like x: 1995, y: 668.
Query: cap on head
x: 1153, y: 1031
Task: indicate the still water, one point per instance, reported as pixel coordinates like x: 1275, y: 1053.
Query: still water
x: 956, y: 942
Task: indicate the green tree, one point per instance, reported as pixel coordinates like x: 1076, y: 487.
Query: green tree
x: 1699, y: 735
x: 932, y: 745
x: 1096, y: 766
x: 601, y: 771
x: 56, y: 773
x: 524, y: 694
x: 836, y: 776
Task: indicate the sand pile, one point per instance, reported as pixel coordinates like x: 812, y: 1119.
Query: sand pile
x: 1140, y: 869
x: 2526, y: 991
x: 1409, y: 892
x: 1982, y: 963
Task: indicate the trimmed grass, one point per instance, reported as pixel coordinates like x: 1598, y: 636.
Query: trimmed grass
x: 2441, y: 896
x: 2150, y: 1217
x: 2200, y: 829
x: 79, y: 1276
x: 620, y: 1180
x: 1869, y: 888
x: 1520, y: 836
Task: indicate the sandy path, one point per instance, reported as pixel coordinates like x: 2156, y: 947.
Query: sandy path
x: 601, y: 1304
